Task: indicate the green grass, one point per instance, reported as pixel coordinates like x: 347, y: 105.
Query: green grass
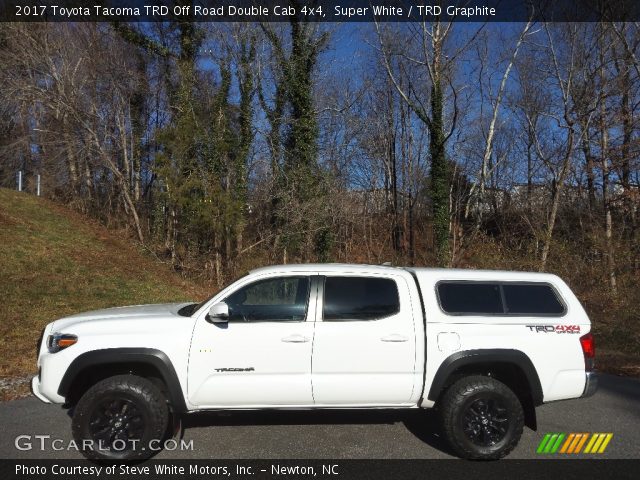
x: 54, y: 262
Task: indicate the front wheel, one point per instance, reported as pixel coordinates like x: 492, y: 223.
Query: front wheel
x: 481, y: 418
x: 121, y: 418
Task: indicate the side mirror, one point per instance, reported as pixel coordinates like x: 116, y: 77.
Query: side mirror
x: 219, y: 313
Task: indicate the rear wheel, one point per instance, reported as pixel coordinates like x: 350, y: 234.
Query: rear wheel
x: 482, y: 418
x: 123, y: 417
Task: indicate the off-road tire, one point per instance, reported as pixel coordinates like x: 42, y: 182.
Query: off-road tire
x: 467, y: 396
x: 100, y: 405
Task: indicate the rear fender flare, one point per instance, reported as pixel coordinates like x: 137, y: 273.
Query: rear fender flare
x: 487, y: 356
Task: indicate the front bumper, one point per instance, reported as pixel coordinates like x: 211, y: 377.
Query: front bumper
x: 591, y: 384
x: 35, y: 389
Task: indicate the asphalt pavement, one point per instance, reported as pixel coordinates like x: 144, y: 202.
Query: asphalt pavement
x: 614, y: 408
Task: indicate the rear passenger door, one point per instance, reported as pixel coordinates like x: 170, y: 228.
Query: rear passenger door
x: 364, y: 349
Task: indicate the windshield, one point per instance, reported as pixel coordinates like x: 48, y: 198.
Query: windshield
x: 189, y: 310
x: 198, y: 306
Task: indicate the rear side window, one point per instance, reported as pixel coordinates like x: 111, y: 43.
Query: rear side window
x: 499, y: 298
x: 359, y: 298
x: 531, y: 300
x: 470, y: 298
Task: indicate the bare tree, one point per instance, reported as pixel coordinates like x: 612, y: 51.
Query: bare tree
x: 491, y: 129
x: 424, y: 54
x: 564, y: 74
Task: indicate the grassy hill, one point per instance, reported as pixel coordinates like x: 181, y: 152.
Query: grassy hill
x: 55, y: 262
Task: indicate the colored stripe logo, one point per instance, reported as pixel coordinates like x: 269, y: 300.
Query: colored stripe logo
x: 574, y: 443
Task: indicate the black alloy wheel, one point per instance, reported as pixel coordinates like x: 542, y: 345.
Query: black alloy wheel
x: 486, y: 421
x: 482, y: 418
x: 124, y: 417
x: 116, y: 423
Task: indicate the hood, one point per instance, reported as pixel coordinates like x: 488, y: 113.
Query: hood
x: 138, y: 312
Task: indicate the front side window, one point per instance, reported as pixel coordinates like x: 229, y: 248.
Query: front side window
x: 359, y: 298
x: 282, y: 299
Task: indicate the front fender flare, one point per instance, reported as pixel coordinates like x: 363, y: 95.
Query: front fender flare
x: 121, y: 356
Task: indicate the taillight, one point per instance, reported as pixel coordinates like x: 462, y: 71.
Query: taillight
x: 589, y: 350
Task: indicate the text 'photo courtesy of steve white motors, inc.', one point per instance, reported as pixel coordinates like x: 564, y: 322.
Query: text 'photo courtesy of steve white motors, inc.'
x: 229, y: 469
x: 381, y: 239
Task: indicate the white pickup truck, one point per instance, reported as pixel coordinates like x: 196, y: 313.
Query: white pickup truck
x: 483, y: 347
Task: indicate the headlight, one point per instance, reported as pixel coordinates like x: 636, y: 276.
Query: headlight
x: 60, y: 341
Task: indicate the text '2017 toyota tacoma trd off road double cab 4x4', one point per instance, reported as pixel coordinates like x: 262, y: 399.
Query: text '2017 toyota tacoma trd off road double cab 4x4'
x: 483, y: 347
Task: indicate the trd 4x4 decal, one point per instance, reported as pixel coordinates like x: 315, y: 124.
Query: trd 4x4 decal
x: 556, y: 328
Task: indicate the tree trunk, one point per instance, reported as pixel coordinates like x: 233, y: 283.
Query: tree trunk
x: 589, y: 164
x: 627, y: 139
x: 439, y: 177
x: 604, y: 152
x: 488, y: 148
x: 555, y: 203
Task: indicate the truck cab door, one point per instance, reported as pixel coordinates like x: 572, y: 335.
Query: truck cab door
x: 262, y: 355
x: 364, y: 350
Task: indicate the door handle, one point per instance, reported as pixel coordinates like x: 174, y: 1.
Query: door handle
x: 394, y: 337
x: 295, y: 339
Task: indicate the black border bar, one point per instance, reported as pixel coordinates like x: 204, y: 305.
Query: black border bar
x: 324, y: 469
x: 319, y: 10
